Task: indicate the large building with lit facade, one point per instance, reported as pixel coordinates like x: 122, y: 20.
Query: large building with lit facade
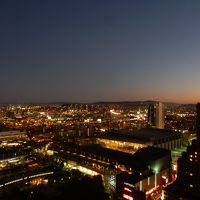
x: 12, y: 138
x: 132, y: 141
x: 187, y: 184
x: 145, y: 171
x: 12, y: 135
x: 153, y: 177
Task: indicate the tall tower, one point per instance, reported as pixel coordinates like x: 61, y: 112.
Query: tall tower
x: 152, y: 116
x: 160, y: 115
x: 156, y: 115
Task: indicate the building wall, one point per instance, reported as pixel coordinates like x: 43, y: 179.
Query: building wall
x: 12, y: 135
x: 156, y: 115
x: 169, y: 196
x: 146, y: 185
x: 172, y: 143
x: 160, y: 115
x: 131, y: 147
x: 156, y: 180
x: 128, y: 147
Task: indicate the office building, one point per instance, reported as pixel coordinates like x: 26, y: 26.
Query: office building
x: 156, y: 115
x: 187, y: 184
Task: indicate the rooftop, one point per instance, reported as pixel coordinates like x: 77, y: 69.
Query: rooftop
x: 140, y: 160
x: 142, y: 136
x: 118, y: 156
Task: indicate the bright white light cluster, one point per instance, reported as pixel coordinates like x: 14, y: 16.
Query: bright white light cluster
x: 21, y: 179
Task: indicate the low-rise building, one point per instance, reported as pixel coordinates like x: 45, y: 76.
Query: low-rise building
x: 131, y: 141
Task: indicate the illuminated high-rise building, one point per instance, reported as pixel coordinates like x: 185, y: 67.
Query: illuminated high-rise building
x: 187, y: 184
x: 156, y: 115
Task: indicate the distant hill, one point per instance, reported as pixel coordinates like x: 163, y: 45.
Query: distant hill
x: 126, y: 102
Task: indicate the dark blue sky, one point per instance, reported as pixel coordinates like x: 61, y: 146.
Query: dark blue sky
x: 97, y: 50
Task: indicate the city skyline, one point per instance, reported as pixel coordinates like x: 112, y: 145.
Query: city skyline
x: 99, y: 51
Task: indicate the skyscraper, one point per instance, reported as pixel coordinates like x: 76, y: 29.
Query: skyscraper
x: 187, y: 184
x: 156, y: 115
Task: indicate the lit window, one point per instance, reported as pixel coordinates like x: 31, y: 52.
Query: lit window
x: 127, y: 197
x: 190, y: 156
x: 127, y: 189
x: 174, y: 167
x: 190, y: 159
x: 191, y: 186
x: 191, y: 174
x: 195, y: 152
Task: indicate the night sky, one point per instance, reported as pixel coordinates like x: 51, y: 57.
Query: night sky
x: 99, y: 50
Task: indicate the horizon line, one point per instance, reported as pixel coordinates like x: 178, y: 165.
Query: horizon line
x: 94, y: 102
